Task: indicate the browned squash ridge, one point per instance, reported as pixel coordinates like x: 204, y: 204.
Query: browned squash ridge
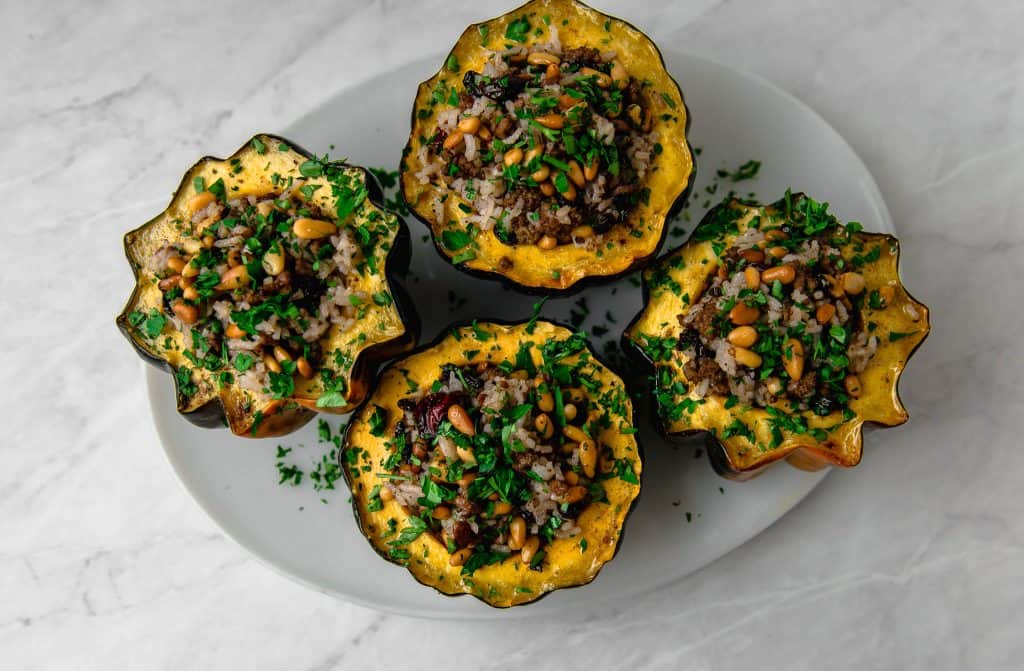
x: 676, y: 283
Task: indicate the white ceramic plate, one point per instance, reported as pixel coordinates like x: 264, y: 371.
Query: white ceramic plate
x: 686, y: 516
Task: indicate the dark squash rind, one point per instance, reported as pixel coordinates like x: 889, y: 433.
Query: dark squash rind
x: 548, y: 284
x: 879, y: 404
x: 356, y: 478
x: 281, y: 417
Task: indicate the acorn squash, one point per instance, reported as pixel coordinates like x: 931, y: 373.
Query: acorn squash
x: 499, y: 461
x: 549, y: 148
x: 779, y: 333
x: 267, y: 288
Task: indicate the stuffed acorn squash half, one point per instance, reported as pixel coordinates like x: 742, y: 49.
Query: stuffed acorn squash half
x: 266, y: 288
x: 549, y: 148
x: 500, y: 461
x: 779, y: 332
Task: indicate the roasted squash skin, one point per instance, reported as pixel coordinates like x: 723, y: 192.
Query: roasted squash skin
x: 566, y: 268
x: 258, y: 168
x: 677, y: 281
x: 569, y: 562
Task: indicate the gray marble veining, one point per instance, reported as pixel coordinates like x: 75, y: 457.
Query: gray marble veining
x: 915, y: 560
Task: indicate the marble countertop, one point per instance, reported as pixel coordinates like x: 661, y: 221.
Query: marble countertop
x: 914, y: 560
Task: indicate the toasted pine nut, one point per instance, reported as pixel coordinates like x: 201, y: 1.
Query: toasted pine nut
x: 548, y: 189
x: 775, y: 234
x: 175, y: 263
x: 542, y: 58
x: 553, y: 121
x: 590, y: 170
x: 574, y: 433
x: 460, y: 419
x: 453, y: 140
x: 778, y: 252
x: 853, y: 283
x: 742, y: 314
x: 208, y: 241
x: 825, y: 313
x: 576, y: 174
x: 535, y: 152
x: 569, y: 448
x: 545, y: 400
x: 752, y: 255
x: 304, y: 368
x: 619, y: 75
x: 169, y: 283
x: 234, y: 258
x: 541, y: 173
x: 484, y: 133
x: 470, y: 125
x: 441, y: 513
x: 465, y: 454
x: 273, y: 262
x: 544, y: 426
x: 784, y: 273
x: 460, y: 556
x: 264, y: 207
x: 753, y: 277
x: 743, y: 336
x: 386, y: 494
x: 793, y: 358
x: 602, y: 80
x: 588, y: 457
x: 281, y: 354
x: 583, y: 231
x: 575, y: 494
x: 774, y: 385
x: 501, y: 508
x: 466, y: 480
x: 234, y: 278
x: 185, y: 312
x: 570, y: 477
x: 513, y: 156
x: 190, y: 293
x: 746, y: 357
x: 190, y: 269
x: 199, y: 201
x: 313, y: 229
x: 529, y: 549
x: 888, y: 293
x: 852, y: 385
x: 551, y: 74
x: 192, y: 245
x: 271, y: 364
x: 547, y: 242
x: 569, y: 410
x: 232, y: 331
x: 516, y: 533
x: 569, y: 193
x: 565, y: 101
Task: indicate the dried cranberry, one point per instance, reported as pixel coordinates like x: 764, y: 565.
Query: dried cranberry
x: 433, y: 408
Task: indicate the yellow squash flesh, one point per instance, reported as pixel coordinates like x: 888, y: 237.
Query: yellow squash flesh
x: 568, y: 563
x: 692, y: 268
x: 560, y: 268
x: 380, y: 333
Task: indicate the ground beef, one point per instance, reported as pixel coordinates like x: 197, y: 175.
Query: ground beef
x: 698, y: 370
x: 582, y: 56
x: 466, y: 167
x: 463, y: 534
x: 704, y: 318
x: 804, y: 387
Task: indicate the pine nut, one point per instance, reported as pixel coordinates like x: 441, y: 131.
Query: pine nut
x: 784, y: 273
x: 542, y: 58
x: 199, y: 201
x: 853, y: 283
x: 825, y: 313
x: 793, y: 358
x: 774, y: 385
x: 602, y: 80
x: 565, y: 101
x: 547, y: 242
x: 441, y: 513
x: 574, y: 433
x: 529, y: 549
x: 234, y: 278
x: 460, y: 419
x: 534, y: 153
x: 583, y: 232
x: 232, y: 331
x: 553, y: 121
x: 190, y: 269
x: 575, y: 494
x: 569, y: 193
x: 465, y: 454
x: 775, y: 234
x: 576, y: 174
x: 545, y: 400
x: 551, y: 74
x: 778, y: 252
x: 619, y: 75
x: 544, y: 426
x: 590, y: 170
x: 541, y: 174
x: 569, y: 410
x: 746, y: 357
x: 313, y: 229
x: 548, y: 189
x: 190, y: 293
x: 588, y: 457
x: 466, y: 480
x: 175, y: 263
x: 570, y: 477
x: 185, y: 312
x: 501, y: 508
x: 742, y: 314
x: 484, y: 133
x: 453, y: 140
x: 752, y: 255
x: 753, y: 277
x: 281, y: 354
x: 386, y: 494
x: 743, y: 336
x: 513, y: 156
x: 470, y: 125
x: 271, y: 364
x: 460, y: 556
x: 305, y: 369
x: 168, y: 283
x: 208, y: 241
x: 516, y: 533
x: 852, y: 385
x: 273, y: 263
